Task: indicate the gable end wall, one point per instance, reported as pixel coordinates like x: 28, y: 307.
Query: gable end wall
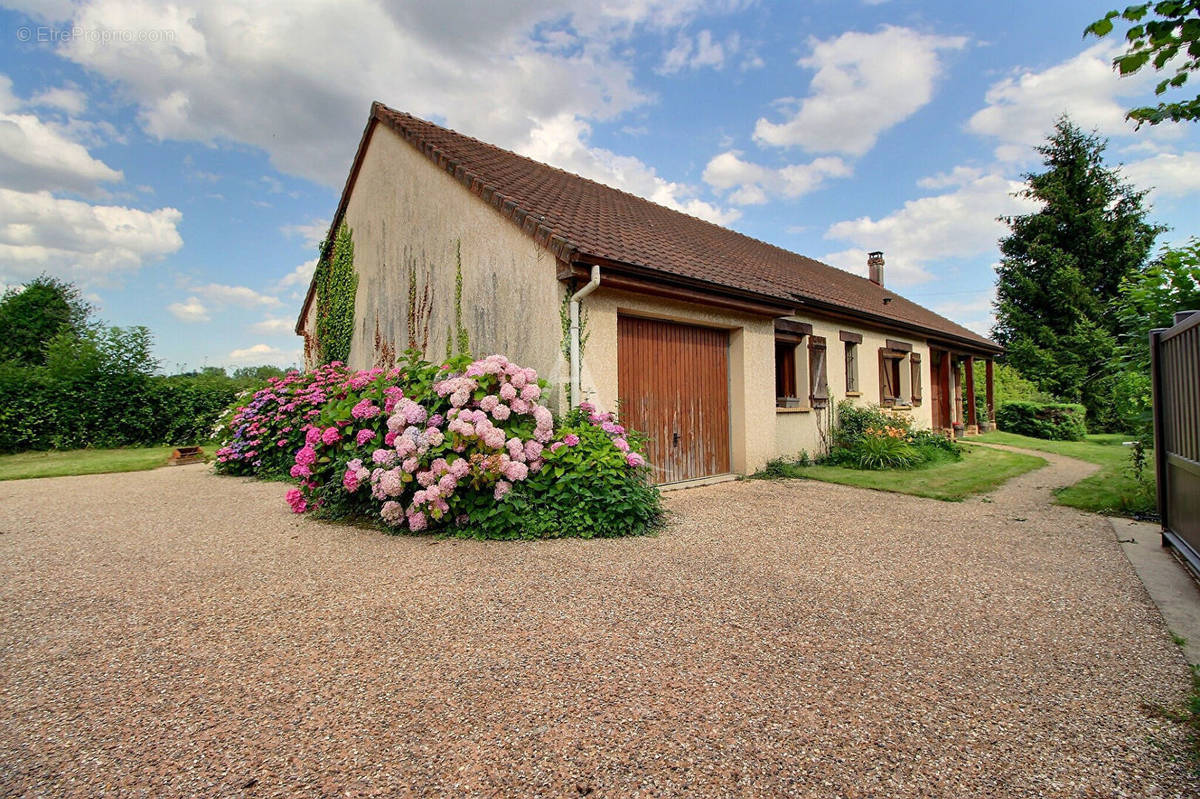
x: 403, y: 209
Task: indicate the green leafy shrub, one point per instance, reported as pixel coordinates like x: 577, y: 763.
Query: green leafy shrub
x: 584, y: 490
x: 885, y: 452
x: 872, y: 438
x: 100, y: 390
x: 1053, y: 421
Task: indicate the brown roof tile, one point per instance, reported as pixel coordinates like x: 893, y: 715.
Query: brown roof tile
x: 580, y: 217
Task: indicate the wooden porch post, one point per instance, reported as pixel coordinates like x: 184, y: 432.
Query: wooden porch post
x: 956, y: 367
x: 989, y: 390
x: 972, y: 420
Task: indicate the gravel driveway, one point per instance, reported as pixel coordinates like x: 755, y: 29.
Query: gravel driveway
x: 173, y: 633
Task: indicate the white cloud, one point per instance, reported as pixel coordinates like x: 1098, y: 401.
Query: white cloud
x: 1021, y: 109
x: 78, y: 240
x: 703, y: 51
x: 273, y: 326
x: 236, y: 295
x: 975, y: 311
x: 311, y: 234
x: 1169, y: 174
x: 64, y: 98
x: 753, y: 181
x: 957, y: 224
x: 864, y: 84
x: 300, y: 276
x: 37, y: 156
x: 191, y: 310
x: 493, y: 70
x: 562, y: 142
x: 959, y: 176
x: 264, y: 354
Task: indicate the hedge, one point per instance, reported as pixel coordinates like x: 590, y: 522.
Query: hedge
x: 40, y: 410
x: 1054, y: 421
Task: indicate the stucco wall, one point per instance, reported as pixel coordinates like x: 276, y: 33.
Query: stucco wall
x: 751, y: 359
x: 405, y: 210
x: 797, y: 431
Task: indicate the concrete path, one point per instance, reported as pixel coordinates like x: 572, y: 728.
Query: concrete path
x: 1169, y: 584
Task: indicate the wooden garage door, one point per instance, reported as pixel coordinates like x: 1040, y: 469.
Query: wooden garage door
x: 673, y: 385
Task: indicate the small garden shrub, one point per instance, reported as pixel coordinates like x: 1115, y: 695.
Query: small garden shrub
x: 871, y: 438
x: 1049, y: 420
x: 466, y: 448
x: 883, y: 450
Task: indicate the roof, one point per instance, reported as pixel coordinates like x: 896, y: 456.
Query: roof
x: 580, y: 219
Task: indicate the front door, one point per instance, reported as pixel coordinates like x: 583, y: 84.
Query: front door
x: 673, y: 385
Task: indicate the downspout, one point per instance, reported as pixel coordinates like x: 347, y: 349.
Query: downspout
x: 575, y: 366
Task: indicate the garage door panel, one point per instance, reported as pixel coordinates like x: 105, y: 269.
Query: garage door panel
x: 673, y: 384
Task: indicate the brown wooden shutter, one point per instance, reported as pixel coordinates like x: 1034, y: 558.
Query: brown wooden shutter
x: 851, y: 366
x: 915, y: 361
x: 817, y: 379
x: 785, y: 371
x: 886, y: 395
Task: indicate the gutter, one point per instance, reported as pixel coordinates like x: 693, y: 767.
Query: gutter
x: 591, y: 286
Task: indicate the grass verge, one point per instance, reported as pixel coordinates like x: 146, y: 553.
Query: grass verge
x: 979, y: 471
x: 64, y: 463
x: 1113, y: 490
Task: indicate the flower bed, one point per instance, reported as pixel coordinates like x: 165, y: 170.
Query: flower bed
x: 870, y: 438
x: 467, y: 448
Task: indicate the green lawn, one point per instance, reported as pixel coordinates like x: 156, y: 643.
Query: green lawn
x: 82, y: 461
x: 1112, y: 490
x: 979, y: 471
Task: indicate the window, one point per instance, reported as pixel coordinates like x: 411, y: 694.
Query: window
x: 914, y: 360
x: 889, y: 377
x: 786, y: 393
x: 851, y: 342
x: 818, y: 385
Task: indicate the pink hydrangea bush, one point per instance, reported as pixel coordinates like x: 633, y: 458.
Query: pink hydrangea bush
x: 424, y: 447
x: 261, y: 433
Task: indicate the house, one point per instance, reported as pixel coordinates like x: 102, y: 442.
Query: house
x: 725, y: 350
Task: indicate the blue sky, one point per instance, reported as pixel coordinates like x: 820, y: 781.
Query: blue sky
x: 180, y: 161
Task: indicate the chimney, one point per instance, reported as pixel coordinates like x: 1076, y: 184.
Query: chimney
x: 875, y: 267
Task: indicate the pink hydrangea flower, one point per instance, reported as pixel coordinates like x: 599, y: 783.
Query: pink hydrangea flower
x: 296, y: 500
x: 502, y: 488
x: 389, y: 439
x: 306, y: 456
x: 621, y: 444
x: 384, y: 457
x: 635, y: 460
x: 392, y: 513
x: 331, y: 436
x: 508, y: 393
x: 516, y: 471
x: 364, y: 436
x: 312, y: 436
x: 300, y: 470
x: 365, y: 409
x: 570, y: 439
x: 416, y: 521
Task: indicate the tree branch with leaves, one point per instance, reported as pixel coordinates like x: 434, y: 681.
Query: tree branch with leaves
x: 1167, y: 35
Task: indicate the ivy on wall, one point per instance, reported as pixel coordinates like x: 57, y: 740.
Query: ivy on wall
x: 337, y: 284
